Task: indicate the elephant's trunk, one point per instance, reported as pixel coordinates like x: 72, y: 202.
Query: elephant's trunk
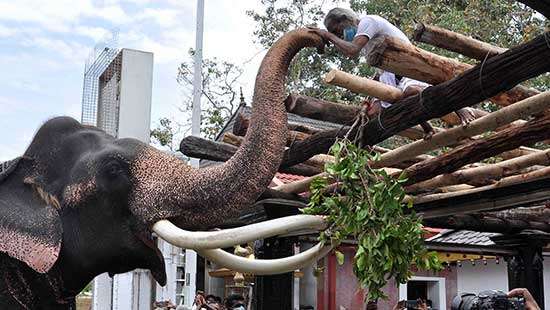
x: 207, y: 197
x: 227, y: 188
x: 239, y: 181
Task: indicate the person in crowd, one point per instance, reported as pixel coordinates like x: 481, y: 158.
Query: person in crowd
x: 235, y: 302
x: 350, y: 35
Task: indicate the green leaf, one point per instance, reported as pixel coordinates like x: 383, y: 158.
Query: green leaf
x: 339, y: 257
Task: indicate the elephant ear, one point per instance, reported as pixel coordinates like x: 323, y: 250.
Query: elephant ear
x: 30, y: 228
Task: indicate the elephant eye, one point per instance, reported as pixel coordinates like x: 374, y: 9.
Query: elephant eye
x: 113, y: 169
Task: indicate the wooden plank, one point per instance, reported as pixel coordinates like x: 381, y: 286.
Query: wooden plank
x: 517, y: 195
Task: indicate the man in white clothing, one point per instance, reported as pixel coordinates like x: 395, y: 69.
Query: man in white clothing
x: 350, y: 34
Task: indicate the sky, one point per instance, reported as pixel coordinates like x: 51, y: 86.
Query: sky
x: 44, y: 46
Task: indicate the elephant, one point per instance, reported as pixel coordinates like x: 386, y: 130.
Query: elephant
x: 80, y: 202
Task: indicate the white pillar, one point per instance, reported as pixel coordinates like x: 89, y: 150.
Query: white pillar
x: 191, y: 256
x: 102, y: 292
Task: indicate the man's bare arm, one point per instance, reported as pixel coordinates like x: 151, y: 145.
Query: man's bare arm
x: 350, y: 49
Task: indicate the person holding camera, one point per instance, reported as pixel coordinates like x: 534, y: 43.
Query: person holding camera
x: 530, y: 303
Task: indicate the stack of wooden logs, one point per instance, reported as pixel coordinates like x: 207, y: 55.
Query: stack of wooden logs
x: 493, y: 151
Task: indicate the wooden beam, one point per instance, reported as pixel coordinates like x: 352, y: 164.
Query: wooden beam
x: 530, y: 106
x: 513, y: 193
x: 508, y: 139
x: 531, y: 214
x: 405, y: 59
x: 486, y: 223
x: 363, y: 85
x: 484, y: 175
x: 338, y: 113
x: 317, y: 161
x: 197, y: 147
x: 498, y: 74
x: 455, y: 42
x: 505, y: 182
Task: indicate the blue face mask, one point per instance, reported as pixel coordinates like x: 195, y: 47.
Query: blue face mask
x: 349, y: 33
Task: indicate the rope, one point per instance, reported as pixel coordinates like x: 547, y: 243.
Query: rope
x: 546, y: 39
x: 480, y: 74
x: 380, y: 120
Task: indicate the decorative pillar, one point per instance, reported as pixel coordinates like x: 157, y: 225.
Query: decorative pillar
x: 274, y: 292
x: 525, y: 268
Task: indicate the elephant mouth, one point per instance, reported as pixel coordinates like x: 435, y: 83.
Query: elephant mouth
x: 154, y: 262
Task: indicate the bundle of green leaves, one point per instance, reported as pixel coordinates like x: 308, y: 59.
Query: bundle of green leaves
x: 366, y: 205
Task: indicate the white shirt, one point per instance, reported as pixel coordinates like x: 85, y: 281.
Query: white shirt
x: 373, y: 26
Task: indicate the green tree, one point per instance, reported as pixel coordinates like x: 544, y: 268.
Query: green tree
x: 219, y: 87
x: 163, y: 134
x: 500, y: 22
x: 308, y: 67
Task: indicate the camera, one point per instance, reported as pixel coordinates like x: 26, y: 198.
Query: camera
x: 487, y: 300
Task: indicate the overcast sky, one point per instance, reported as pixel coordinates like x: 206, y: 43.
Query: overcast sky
x: 44, y: 45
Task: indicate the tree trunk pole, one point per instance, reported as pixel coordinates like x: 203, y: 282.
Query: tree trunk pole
x: 363, y: 85
x: 530, y: 106
x: 484, y: 175
x: 405, y: 59
x: 511, y: 138
x: 337, y: 113
x: 508, y: 181
x: 455, y: 42
x: 498, y: 74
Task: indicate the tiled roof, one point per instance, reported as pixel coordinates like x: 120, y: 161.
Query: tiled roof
x: 295, y: 119
x: 466, y: 237
x: 288, y: 178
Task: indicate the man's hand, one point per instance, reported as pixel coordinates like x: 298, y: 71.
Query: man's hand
x: 320, y: 32
x: 530, y: 303
x: 401, y: 305
x: 466, y: 115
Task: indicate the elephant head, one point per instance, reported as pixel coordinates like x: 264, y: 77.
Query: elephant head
x: 80, y: 202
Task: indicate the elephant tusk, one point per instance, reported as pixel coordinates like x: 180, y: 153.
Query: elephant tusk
x: 266, y: 266
x: 233, y: 236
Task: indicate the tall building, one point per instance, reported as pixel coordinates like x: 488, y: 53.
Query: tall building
x: 117, y: 98
x: 117, y: 91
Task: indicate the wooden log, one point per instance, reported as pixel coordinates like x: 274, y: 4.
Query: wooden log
x: 508, y: 181
x: 197, y: 147
x: 292, y: 137
x: 242, y: 122
x: 405, y: 59
x: 511, y: 138
x: 480, y: 176
x: 532, y: 214
x: 317, y: 161
x: 362, y: 85
x: 520, y: 151
x: 498, y: 74
x: 490, y: 122
x: 337, y: 113
x: 455, y: 42
x: 232, y: 139
x: 486, y: 223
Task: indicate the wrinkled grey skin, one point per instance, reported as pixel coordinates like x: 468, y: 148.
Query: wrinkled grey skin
x: 80, y: 203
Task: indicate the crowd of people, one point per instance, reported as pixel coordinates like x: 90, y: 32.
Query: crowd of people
x: 207, y: 302
x: 212, y: 302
